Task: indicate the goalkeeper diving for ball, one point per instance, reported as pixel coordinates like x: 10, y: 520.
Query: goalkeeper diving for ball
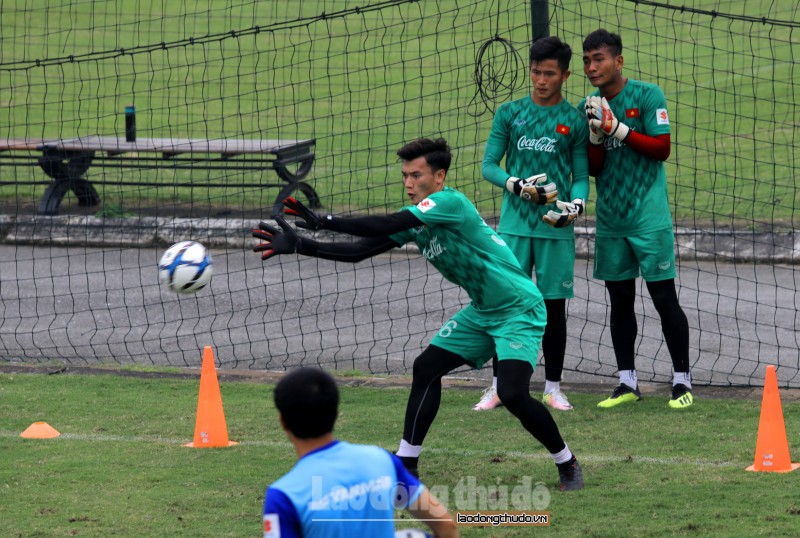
x: 506, y: 317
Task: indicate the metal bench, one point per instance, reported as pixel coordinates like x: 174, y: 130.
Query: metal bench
x: 66, y: 161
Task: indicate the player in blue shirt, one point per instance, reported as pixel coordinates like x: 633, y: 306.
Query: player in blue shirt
x: 506, y: 315
x: 338, y: 489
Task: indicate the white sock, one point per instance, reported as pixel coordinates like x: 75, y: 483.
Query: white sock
x: 408, y: 451
x: 562, y: 457
x: 629, y: 378
x: 682, y: 378
x: 494, y: 383
x: 551, y: 386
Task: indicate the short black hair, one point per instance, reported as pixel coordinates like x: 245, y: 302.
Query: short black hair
x: 436, y: 152
x: 603, y: 38
x: 551, y: 48
x: 308, y: 401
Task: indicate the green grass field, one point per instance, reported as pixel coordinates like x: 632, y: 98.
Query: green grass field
x: 363, y: 83
x: 119, y: 467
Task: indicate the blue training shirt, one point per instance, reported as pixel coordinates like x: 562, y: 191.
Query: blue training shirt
x: 339, y: 490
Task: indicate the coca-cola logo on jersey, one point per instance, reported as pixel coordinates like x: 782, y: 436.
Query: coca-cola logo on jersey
x: 545, y: 144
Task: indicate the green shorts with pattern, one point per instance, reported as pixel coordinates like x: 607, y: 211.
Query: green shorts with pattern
x: 622, y: 258
x: 476, y: 338
x: 552, y: 259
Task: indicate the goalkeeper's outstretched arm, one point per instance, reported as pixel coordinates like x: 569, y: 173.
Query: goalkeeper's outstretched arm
x: 369, y: 226
x: 375, y: 231
x: 285, y: 240
x: 352, y: 252
x: 374, y: 225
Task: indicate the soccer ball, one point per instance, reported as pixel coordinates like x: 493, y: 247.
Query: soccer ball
x: 185, y: 267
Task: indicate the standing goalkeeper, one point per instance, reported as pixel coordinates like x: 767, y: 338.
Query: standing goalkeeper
x: 506, y: 315
x: 543, y: 138
x: 629, y: 142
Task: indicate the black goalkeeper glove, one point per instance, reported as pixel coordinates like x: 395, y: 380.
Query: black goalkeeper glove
x: 311, y: 219
x: 275, y: 241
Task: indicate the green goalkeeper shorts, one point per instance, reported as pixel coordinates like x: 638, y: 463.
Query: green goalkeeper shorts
x: 622, y: 258
x: 553, y: 260
x: 476, y: 339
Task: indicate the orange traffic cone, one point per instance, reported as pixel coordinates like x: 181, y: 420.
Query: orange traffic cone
x: 772, y: 447
x: 210, y: 430
x: 40, y: 430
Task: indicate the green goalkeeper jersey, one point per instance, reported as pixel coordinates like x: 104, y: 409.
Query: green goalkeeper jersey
x: 467, y: 252
x: 632, y: 188
x: 536, y: 140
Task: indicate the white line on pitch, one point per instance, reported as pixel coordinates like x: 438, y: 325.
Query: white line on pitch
x: 537, y: 454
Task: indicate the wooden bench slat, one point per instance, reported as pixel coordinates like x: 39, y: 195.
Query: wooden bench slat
x: 176, y: 145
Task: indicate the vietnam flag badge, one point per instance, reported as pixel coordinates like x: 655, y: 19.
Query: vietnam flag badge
x: 562, y: 129
x: 632, y: 113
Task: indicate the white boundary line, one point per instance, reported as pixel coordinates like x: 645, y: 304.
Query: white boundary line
x: 535, y: 454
